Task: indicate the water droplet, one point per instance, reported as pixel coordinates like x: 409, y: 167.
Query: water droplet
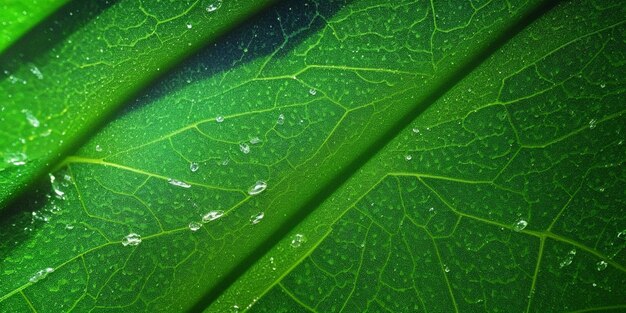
x: 272, y: 263
x: 189, y: 26
x: 431, y: 210
x: 408, y: 157
x: 602, y: 85
x: 60, y: 194
x: 312, y: 92
x: 568, y: 259
x: 255, y: 140
x: 178, y: 183
x: 41, y: 274
x: 219, y: 118
x: 520, y: 225
x: 601, y: 266
x: 281, y: 119
x: 446, y: 268
x: 194, y: 226
x: 297, y: 240
x: 592, y: 123
x: 257, y: 188
x: 35, y: 70
x: 193, y: 166
x: 622, y: 234
x: 16, y: 159
x: 32, y: 120
x: 255, y: 219
x: 131, y: 239
x: 214, y: 6
x: 69, y: 226
x: 244, y: 147
x: 416, y: 130
x: 98, y: 148
x: 212, y: 215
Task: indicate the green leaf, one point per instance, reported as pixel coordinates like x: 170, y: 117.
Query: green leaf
x: 17, y: 17
x: 416, y: 156
x: 70, y: 74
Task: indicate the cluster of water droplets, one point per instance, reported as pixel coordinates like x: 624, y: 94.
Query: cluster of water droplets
x: 40, y: 274
x: 131, y: 239
x: 569, y: 258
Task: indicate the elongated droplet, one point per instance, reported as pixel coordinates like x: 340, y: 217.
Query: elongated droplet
x: 35, y: 70
x: 194, y: 166
x: 194, y: 226
x: 41, y: 274
x: 255, y: 219
x: 255, y: 140
x: 212, y: 215
x: 32, y: 120
x: 131, y: 239
x: 214, y: 5
x: 17, y: 159
x: 520, y: 225
x: 257, y: 188
x: 178, y: 183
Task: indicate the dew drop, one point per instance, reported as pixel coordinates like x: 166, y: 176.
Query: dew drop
x: 193, y: 166
x: 255, y: 219
x: 281, y: 119
x: 416, y: 130
x: 272, y: 263
x: 69, y: 226
x: 255, y: 140
x: 32, y: 120
x: 131, y: 239
x: 312, y: 92
x: 219, y: 118
x: 601, y: 266
x: 568, y: 259
x: 194, y: 226
x: 297, y: 240
x: 178, y: 183
x: 520, y: 225
x: 622, y: 234
x: 408, y: 157
x: 446, y: 268
x: 189, y: 26
x: 431, y: 210
x: 257, y: 188
x: 41, y: 274
x: 214, y: 6
x: 60, y: 194
x: 17, y: 159
x: 35, y: 70
x: 212, y: 215
x: 592, y: 123
x: 244, y: 147
x: 602, y: 85
x: 99, y: 148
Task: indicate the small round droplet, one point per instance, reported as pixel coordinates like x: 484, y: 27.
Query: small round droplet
x: 431, y: 210
x: 601, y: 266
x: 602, y: 85
x: 131, y: 239
x: 194, y: 226
x: 297, y: 240
x: 281, y: 119
x: 244, y: 147
x: 99, y: 148
x: 41, y: 274
x: 212, y: 215
x: 446, y: 268
x: 214, y: 5
x: 189, y: 26
x: 312, y: 92
x: 408, y: 157
x: 520, y: 225
x: 255, y: 219
x: 219, y: 118
x: 193, y: 166
x: 257, y: 188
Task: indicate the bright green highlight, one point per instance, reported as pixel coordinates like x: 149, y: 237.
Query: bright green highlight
x: 17, y: 17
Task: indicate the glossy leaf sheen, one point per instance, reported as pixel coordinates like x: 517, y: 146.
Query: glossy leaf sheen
x: 353, y: 207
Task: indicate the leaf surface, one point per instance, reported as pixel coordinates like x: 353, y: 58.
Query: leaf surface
x: 359, y: 118
x: 73, y: 72
x: 17, y: 17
